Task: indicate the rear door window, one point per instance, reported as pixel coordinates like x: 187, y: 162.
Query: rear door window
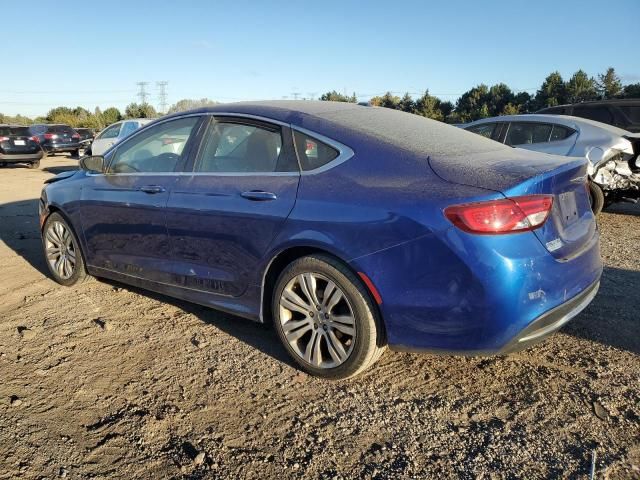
x: 525, y: 133
x: 128, y: 128
x: 234, y: 147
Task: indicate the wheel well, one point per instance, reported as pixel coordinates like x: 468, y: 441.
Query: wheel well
x: 280, y: 262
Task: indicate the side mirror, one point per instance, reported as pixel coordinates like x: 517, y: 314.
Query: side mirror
x: 92, y: 164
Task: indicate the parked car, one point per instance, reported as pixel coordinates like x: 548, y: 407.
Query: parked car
x: 115, y: 133
x: 612, y: 152
x: 351, y: 227
x: 622, y: 113
x: 86, y: 136
x: 17, y: 145
x: 57, y: 138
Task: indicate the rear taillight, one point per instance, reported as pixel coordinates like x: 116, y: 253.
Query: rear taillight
x: 35, y: 139
x: 509, y: 215
x: 75, y: 135
x: 3, y: 139
x: 50, y: 136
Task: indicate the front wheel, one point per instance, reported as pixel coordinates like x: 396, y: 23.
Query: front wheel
x: 34, y: 164
x: 326, y: 318
x: 62, y: 251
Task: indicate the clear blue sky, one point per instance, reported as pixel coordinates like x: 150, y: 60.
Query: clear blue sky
x: 93, y: 53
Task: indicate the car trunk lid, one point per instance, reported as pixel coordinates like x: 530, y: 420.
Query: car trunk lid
x: 570, y: 226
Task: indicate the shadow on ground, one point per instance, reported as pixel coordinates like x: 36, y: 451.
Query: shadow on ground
x: 611, y: 319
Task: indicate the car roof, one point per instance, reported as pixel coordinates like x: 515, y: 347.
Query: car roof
x: 567, y: 120
x: 341, y: 120
x: 610, y: 101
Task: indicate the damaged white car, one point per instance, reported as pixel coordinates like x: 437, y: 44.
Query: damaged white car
x: 614, y: 168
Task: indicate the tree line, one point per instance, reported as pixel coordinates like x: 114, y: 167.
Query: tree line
x: 479, y: 102
x: 483, y: 101
x: 82, y: 118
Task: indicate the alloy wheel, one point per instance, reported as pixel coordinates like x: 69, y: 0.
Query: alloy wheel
x: 60, y: 250
x: 317, y: 320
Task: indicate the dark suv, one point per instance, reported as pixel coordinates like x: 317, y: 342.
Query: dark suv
x: 57, y: 138
x: 18, y: 145
x: 620, y: 113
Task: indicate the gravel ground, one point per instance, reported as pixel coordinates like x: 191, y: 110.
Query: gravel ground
x: 104, y: 381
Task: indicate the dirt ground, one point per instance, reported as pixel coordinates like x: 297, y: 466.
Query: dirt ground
x: 105, y: 381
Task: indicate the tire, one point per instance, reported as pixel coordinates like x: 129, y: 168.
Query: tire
x: 596, y: 196
x: 53, y: 237
x: 87, y: 152
x: 75, y: 154
x: 346, y: 347
x: 34, y: 165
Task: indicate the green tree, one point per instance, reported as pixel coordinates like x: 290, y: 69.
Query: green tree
x: 429, y: 106
x: 189, y: 104
x: 500, y: 95
x: 552, y: 92
x: 334, y: 96
x: 111, y: 115
x: 524, y: 102
x: 406, y: 104
x: 581, y: 88
x: 472, y: 104
x: 510, y: 109
x: 446, y: 108
x: 143, y: 110
x: 631, y: 91
x: 609, y: 84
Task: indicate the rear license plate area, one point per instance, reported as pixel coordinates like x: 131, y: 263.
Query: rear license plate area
x: 568, y: 207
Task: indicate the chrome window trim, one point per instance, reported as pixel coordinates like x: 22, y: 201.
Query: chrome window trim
x: 344, y: 152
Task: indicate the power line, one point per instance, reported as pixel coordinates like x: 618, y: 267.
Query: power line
x: 162, y: 95
x: 142, y: 93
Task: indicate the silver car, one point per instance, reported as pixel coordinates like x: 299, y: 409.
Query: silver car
x: 614, y: 168
x: 114, y: 133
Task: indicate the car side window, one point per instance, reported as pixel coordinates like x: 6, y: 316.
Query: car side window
x: 485, y: 129
x: 312, y: 152
x: 128, y: 128
x: 110, y: 132
x: 560, y: 133
x: 232, y: 147
x: 525, y: 133
x: 599, y: 114
x: 159, y: 149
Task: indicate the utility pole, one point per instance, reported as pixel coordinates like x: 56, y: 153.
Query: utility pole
x: 142, y: 93
x: 162, y: 96
x: 295, y: 95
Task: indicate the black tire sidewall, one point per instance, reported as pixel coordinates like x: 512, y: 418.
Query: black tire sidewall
x: 79, y: 272
x: 596, y: 195
x: 366, y: 321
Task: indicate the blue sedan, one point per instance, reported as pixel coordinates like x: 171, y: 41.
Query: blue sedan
x: 351, y: 228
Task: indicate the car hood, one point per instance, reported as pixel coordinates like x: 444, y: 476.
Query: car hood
x: 498, y: 170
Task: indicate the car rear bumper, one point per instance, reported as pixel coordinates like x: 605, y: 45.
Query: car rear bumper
x: 474, y: 295
x: 67, y: 147
x: 20, y: 157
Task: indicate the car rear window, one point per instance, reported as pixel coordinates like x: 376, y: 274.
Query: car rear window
x: 521, y: 133
x: 632, y: 113
x: 18, y: 131
x: 60, y: 129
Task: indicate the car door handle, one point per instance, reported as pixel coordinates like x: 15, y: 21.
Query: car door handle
x: 152, y: 189
x: 258, y: 195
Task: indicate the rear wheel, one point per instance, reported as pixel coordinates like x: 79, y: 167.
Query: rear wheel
x: 34, y: 164
x: 75, y: 154
x: 597, y: 198
x: 62, y: 251
x: 326, y: 319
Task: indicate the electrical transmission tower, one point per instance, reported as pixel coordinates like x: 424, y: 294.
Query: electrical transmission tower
x: 142, y: 93
x: 162, y: 96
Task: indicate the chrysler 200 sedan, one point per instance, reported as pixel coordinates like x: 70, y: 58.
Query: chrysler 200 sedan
x: 352, y: 228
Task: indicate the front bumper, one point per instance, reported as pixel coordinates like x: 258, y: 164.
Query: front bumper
x: 21, y: 157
